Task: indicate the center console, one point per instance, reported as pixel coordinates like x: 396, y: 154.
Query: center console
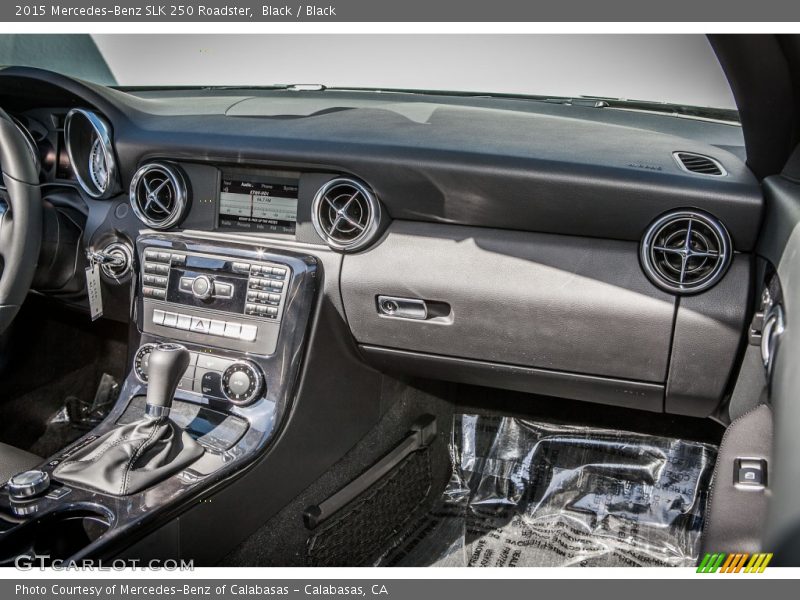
x: 241, y: 313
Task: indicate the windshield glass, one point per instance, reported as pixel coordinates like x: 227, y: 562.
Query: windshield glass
x: 673, y: 69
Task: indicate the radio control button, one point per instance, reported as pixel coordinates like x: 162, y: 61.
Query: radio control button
x: 149, y: 292
x: 185, y: 284
x: 202, y: 287
x: 150, y: 267
x: 249, y: 333
x: 184, y: 322
x: 170, y: 319
x: 150, y: 253
x: 158, y: 317
x: 250, y: 309
x: 164, y: 257
x: 271, y: 310
x: 279, y: 272
x: 276, y: 298
x: 277, y: 285
x: 240, y: 267
x: 200, y: 325
x: 252, y: 296
x: 255, y: 269
x: 217, y: 328
x: 178, y: 259
x: 223, y: 290
x: 232, y: 330
x: 160, y: 280
x: 162, y: 269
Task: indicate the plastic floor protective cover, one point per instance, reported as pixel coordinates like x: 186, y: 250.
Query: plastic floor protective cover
x: 525, y: 493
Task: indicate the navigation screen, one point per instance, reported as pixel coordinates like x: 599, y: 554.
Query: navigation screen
x: 258, y: 205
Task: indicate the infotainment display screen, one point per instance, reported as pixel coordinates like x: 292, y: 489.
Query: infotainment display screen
x: 258, y: 204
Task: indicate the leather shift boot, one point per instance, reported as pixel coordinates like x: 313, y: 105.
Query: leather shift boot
x: 131, y: 458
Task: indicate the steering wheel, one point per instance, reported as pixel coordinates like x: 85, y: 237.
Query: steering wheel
x: 20, y: 220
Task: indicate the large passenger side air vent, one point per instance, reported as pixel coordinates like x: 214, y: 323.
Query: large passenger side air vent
x: 700, y: 164
x: 346, y: 214
x: 686, y: 252
x: 158, y: 195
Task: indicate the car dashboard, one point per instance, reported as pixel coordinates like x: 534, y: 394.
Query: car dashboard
x: 301, y: 242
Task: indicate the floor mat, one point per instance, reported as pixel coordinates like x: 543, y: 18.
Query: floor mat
x: 352, y: 537
x: 533, y: 494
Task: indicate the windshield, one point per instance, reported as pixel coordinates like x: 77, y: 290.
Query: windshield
x: 673, y: 69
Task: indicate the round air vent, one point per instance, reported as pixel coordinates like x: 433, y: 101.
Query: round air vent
x: 346, y: 214
x: 686, y: 252
x: 158, y: 195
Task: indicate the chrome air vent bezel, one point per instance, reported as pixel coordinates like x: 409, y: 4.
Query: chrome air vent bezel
x: 686, y: 252
x: 333, y: 206
x: 143, y: 195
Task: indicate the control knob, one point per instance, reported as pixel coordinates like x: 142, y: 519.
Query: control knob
x: 141, y: 361
x: 28, y: 484
x: 242, y: 382
x: 202, y: 287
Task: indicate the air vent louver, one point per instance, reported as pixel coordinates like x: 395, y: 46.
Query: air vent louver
x: 697, y: 163
x: 158, y: 195
x: 346, y: 214
x: 686, y: 252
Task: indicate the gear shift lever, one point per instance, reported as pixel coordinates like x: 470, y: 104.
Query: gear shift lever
x: 133, y: 457
x: 165, y: 367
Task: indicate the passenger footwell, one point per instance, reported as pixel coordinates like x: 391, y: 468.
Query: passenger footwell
x: 524, y: 493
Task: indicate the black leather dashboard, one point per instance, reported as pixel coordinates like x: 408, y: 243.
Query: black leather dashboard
x: 524, y: 218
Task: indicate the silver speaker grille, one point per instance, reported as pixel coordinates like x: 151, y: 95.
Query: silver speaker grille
x: 686, y: 252
x: 346, y: 214
x: 158, y: 195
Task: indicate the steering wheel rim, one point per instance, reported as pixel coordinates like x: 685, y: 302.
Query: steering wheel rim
x: 20, y: 222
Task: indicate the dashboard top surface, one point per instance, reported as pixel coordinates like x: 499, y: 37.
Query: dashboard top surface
x: 489, y: 162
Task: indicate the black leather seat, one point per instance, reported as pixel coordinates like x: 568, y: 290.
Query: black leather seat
x: 13, y: 461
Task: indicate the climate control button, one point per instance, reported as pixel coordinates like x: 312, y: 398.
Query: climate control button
x: 242, y: 382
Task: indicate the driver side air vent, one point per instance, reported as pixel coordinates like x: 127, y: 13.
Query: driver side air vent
x: 700, y: 164
x: 346, y: 214
x: 685, y: 252
x: 158, y: 195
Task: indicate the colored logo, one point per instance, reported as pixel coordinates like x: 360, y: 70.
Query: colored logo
x: 734, y: 563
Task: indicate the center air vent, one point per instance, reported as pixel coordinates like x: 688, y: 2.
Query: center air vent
x: 686, y: 252
x: 158, y: 195
x: 700, y: 164
x: 346, y: 214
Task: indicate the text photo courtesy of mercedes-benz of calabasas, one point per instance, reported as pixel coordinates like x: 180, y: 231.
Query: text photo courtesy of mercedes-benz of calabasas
x: 432, y: 316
